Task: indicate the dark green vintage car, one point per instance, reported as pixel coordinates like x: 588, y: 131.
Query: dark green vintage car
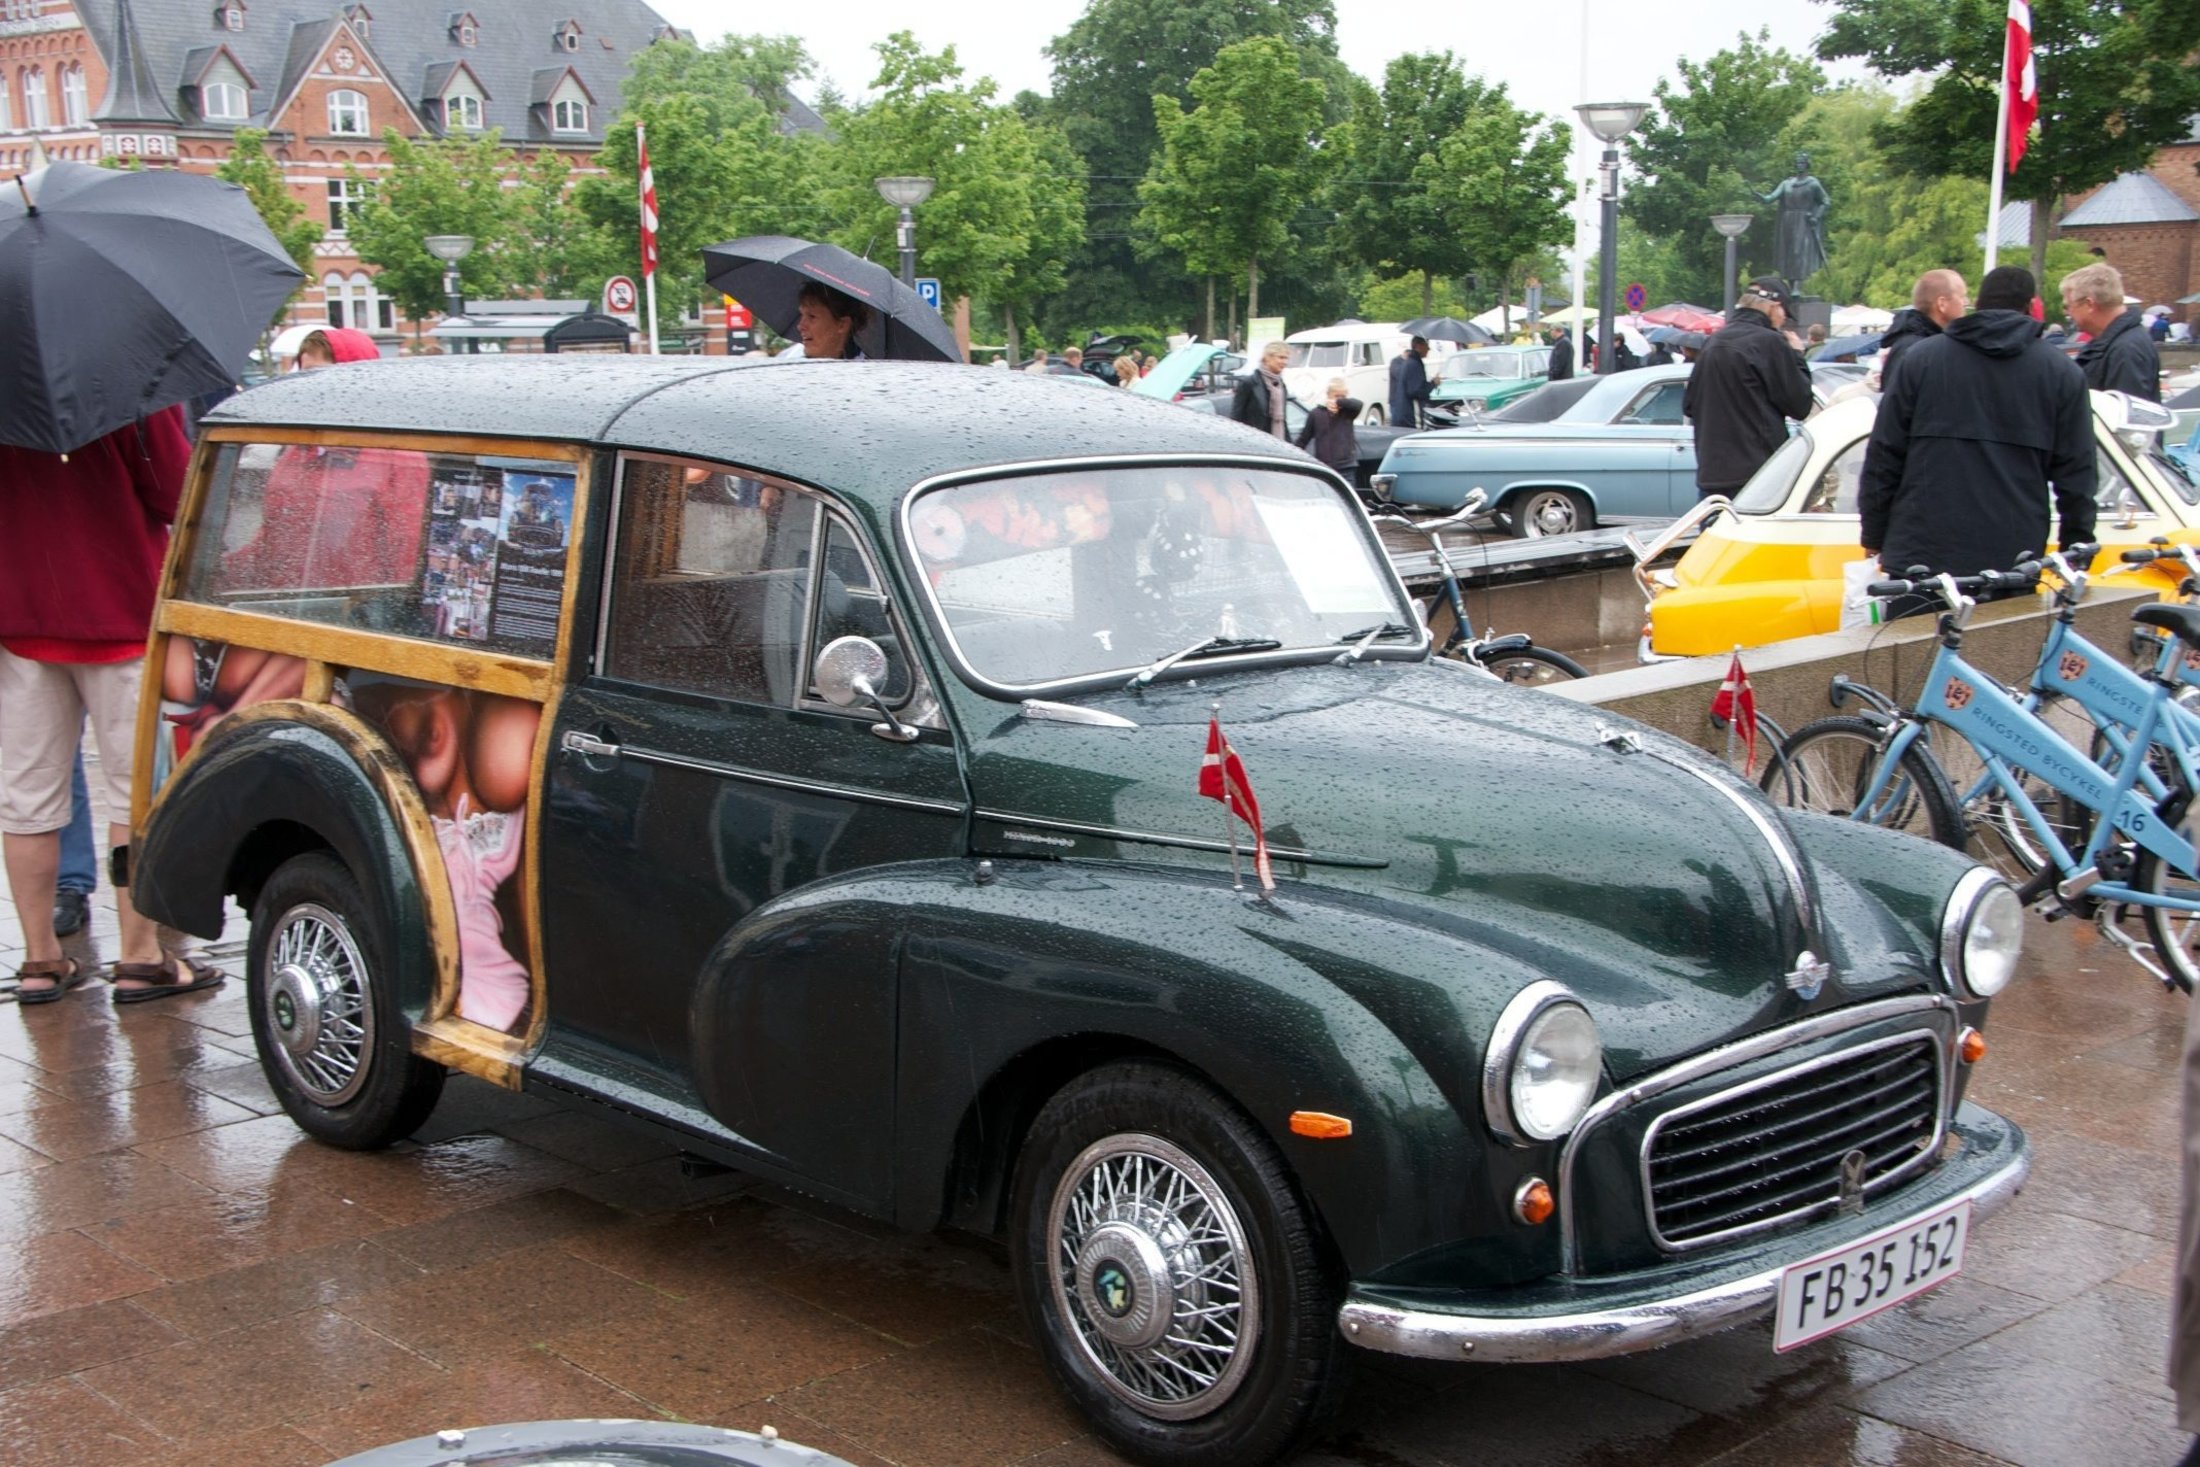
x: 806, y: 760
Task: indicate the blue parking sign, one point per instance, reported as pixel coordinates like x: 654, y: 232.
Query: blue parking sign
x: 928, y: 286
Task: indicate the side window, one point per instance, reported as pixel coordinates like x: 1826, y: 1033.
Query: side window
x: 1661, y: 405
x: 1371, y: 353
x: 710, y: 587
x: 1836, y: 489
x: 449, y: 547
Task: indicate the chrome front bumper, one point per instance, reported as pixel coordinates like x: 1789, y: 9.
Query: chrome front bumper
x: 1569, y: 1322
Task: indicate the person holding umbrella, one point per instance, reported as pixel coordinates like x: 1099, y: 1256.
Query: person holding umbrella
x: 827, y: 322
x: 170, y: 278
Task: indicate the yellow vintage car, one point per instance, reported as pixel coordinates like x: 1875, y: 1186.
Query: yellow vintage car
x: 1768, y: 565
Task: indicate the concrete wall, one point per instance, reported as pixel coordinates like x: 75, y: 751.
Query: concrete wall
x: 1790, y: 678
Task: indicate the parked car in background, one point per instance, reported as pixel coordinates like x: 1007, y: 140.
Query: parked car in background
x: 1482, y: 379
x: 1570, y: 455
x: 1184, y: 377
x: 1770, y: 567
x: 817, y: 785
x: 1358, y: 351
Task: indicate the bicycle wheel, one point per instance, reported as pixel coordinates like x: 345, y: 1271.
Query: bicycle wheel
x: 2175, y: 935
x: 1828, y: 765
x: 1532, y: 666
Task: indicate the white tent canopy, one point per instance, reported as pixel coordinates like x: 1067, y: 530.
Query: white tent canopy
x: 1849, y: 320
x: 1493, y: 319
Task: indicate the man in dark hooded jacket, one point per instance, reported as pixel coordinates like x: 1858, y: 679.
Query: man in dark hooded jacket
x: 1745, y: 387
x: 1983, y: 423
x: 1562, y: 356
x: 1938, y: 298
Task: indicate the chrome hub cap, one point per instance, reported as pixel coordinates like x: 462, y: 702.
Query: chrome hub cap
x: 1153, y: 1276
x: 316, y: 1003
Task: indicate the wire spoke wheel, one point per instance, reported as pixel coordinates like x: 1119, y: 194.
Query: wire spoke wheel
x: 1152, y: 1270
x: 1829, y: 766
x: 317, y: 1003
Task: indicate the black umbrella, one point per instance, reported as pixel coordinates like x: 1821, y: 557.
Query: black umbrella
x: 1851, y: 347
x: 1447, y: 328
x: 124, y: 293
x: 766, y: 273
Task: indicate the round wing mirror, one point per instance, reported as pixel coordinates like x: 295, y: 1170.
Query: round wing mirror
x: 848, y: 671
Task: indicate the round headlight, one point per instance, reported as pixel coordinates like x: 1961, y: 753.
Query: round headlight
x: 1542, y: 1067
x: 1983, y: 935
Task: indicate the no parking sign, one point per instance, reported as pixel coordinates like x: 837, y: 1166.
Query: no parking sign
x: 618, y: 295
x: 1636, y: 296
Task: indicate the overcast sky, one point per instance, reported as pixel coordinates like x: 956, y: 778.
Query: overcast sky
x: 1535, y: 46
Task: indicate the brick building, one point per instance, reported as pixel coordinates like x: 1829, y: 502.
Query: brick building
x: 2148, y: 226
x: 171, y: 81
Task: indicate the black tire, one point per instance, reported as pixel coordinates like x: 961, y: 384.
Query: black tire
x: 1268, y: 1352
x: 1532, y: 666
x: 1531, y: 514
x: 336, y: 1050
x: 2175, y: 935
x: 1375, y: 416
x: 1825, y: 766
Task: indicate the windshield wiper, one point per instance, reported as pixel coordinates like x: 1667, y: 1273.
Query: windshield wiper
x: 1367, y: 637
x: 1206, y: 646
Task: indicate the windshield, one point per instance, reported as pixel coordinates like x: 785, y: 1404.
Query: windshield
x: 1767, y: 490
x: 1482, y: 364
x: 1091, y: 575
x: 1318, y: 353
x: 2173, y: 472
x: 1545, y: 403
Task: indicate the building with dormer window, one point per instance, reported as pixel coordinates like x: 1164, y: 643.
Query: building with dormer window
x: 169, y: 83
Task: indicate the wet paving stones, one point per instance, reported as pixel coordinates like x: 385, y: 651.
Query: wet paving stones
x: 191, y: 1280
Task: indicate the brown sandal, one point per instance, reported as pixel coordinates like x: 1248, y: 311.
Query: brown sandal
x: 66, y: 974
x: 164, y: 979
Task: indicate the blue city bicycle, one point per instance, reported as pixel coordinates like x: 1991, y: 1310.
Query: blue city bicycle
x: 2130, y: 851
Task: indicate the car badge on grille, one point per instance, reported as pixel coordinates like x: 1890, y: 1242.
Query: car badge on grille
x: 1852, y: 1184
x: 1810, y: 975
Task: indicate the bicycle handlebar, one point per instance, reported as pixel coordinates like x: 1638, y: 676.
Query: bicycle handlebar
x: 2022, y: 576
x: 1476, y: 499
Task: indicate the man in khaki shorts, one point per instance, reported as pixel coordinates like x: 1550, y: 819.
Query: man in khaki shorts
x: 82, y: 537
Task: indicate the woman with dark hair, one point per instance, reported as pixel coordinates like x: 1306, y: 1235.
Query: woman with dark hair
x: 827, y: 321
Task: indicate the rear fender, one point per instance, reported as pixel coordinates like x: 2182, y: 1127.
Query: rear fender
x: 273, y: 781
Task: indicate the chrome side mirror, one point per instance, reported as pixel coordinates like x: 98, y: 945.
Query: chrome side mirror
x: 847, y: 673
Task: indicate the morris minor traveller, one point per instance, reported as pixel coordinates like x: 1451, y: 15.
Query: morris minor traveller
x: 804, y: 761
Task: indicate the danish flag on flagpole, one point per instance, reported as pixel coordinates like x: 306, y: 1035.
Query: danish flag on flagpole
x: 1222, y: 777
x: 649, y: 231
x: 2022, y: 82
x: 1736, y: 705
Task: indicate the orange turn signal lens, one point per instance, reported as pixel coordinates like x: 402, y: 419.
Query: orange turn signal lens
x: 1971, y: 1046
x: 1533, y: 1204
x: 1320, y: 1125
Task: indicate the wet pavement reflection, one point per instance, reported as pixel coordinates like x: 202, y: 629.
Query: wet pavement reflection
x: 191, y: 1280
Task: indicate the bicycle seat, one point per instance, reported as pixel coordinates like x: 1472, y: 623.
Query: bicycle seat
x: 2181, y: 622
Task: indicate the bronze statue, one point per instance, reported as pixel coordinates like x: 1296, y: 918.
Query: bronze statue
x: 1801, y: 237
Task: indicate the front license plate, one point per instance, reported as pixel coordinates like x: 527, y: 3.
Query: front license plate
x: 1835, y: 1290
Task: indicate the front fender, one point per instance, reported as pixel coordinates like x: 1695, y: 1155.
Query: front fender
x: 273, y: 781
x: 1319, y: 1001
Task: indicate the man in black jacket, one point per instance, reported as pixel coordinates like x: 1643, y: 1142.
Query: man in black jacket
x: 1938, y: 298
x: 1981, y: 425
x: 1745, y: 387
x: 1258, y: 400
x: 1562, y: 356
x: 2121, y: 356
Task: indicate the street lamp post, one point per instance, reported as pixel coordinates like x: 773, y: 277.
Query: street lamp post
x: 1609, y: 121
x: 450, y: 249
x: 1732, y: 226
x: 906, y: 193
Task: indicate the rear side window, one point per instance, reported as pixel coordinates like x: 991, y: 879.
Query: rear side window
x: 449, y: 547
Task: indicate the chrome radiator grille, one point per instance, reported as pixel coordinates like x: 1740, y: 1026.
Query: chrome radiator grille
x: 1774, y: 1150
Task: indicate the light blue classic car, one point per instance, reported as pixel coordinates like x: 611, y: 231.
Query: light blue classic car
x: 1569, y: 456
x: 1483, y: 379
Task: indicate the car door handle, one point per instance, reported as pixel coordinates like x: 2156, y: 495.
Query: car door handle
x: 576, y: 742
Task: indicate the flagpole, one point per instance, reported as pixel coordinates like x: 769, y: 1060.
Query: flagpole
x: 649, y: 225
x: 2001, y: 152
x: 1735, y: 716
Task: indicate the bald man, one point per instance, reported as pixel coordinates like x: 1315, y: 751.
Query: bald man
x: 1938, y: 298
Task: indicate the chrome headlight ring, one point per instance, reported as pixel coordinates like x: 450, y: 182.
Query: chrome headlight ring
x: 1545, y: 1037
x: 1981, y: 935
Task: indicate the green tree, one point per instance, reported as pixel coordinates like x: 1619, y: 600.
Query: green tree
x: 2116, y: 83
x: 1712, y: 145
x: 441, y: 186
x: 261, y: 177
x: 723, y: 165
x: 1237, y: 165
x: 1007, y: 205
x: 1387, y: 220
x: 1499, y: 184
x: 1108, y: 67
